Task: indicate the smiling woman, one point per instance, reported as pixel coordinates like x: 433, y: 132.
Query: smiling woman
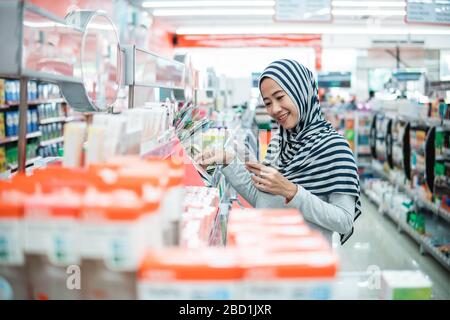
x: 308, y: 166
x: 279, y: 105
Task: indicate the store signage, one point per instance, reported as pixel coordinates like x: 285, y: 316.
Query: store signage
x: 428, y: 11
x: 407, y: 75
x: 334, y: 79
x: 303, y: 10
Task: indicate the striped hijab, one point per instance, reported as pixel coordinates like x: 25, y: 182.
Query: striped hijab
x: 312, y: 154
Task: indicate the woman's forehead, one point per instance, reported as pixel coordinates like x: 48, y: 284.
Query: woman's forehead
x: 270, y: 86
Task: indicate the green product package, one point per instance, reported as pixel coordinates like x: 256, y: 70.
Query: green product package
x: 439, y: 169
x: 408, y: 294
x: 350, y: 134
x: 439, y: 139
x: 412, y: 216
x: 420, y: 224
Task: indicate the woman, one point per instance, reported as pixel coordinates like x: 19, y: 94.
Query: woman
x: 308, y: 166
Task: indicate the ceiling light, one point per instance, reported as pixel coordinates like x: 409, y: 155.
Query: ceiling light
x: 339, y: 12
x: 213, y: 12
x: 398, y: 4
x: 180, y: 4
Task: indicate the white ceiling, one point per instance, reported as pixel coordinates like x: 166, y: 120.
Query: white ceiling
x: 193, y: 16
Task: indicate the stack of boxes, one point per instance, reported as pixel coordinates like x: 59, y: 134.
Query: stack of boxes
x: 271, y: 254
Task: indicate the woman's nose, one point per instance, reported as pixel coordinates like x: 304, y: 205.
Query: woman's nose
x: 276, y: 108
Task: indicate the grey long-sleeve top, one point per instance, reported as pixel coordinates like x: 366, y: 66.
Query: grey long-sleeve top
x: 334, y: 213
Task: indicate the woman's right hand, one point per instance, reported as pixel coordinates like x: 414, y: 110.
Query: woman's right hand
x: 214, y: 157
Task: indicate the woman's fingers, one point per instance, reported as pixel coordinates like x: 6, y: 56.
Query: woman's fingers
x: 255, y: 165
x: 262, y: 187
x: 259, y: 180
x: 253, y: 170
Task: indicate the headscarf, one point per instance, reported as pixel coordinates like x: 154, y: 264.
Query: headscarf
x: 312, y: 154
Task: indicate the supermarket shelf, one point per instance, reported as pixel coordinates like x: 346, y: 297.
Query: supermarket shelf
x: 52, y: 120
x: 16, y: 138
x: 428, y: 246
x: 74, y: 118
x: 33, y: 102
x: 423, y: 241
x: 51, y: 141
x: 421, y: 202
x: 29, y: 162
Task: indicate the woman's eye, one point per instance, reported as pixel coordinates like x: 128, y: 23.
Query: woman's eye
x: 279, y: 98
x: 268, y: 105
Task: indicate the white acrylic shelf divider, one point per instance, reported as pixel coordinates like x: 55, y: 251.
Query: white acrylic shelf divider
x: 21, y: 20
x: 144, y: 68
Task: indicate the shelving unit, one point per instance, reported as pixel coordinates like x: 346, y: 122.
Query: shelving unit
x: 53, y: 120
x: 32, y: 135
x: 28, y: 163
x: 34, y: 106
x: 51, y: 141
x: 424, y: 242
x: 355, y: 127
x: 425, y: 203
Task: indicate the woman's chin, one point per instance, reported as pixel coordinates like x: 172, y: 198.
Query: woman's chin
x: 287, y: 125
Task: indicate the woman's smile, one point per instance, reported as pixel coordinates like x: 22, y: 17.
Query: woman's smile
x: 282, y: 118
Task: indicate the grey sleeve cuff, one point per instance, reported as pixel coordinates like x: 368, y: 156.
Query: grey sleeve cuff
x: 231, y: 168
x: 296, y: 201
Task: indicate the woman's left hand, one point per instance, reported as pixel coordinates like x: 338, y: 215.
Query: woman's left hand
x: 269, y: 180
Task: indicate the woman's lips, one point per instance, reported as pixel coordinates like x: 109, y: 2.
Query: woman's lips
x: 283, y: 117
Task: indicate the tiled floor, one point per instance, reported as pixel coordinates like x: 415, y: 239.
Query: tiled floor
x: 377, y: 245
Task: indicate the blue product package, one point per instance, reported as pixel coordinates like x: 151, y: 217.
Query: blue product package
x: 29, y: 126
x: 34, y: 90
x: 29, y: 91
x: 8, y: 90
x: 34, y: 120
x: 16, y: 91
x: 9, y: 123
x: 16, y: 123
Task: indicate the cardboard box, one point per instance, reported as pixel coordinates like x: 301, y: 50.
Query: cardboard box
x: 405, y: 285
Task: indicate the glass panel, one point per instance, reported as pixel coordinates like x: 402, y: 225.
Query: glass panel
x: 152, y: 70
x: 100, y: 61
x: 50, y: 46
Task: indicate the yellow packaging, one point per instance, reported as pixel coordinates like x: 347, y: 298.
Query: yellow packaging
x: 2, y: 125
x: 2, y: 91
x: 3, y: 165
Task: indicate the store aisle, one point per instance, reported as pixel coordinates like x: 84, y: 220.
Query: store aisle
x: 377, y: 242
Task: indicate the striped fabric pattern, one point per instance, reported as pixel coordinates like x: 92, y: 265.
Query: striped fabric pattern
x: 312, y: 154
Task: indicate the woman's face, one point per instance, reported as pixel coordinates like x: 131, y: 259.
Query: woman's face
x: 278, y: 104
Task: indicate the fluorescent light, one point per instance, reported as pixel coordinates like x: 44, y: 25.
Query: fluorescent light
x: 313, y: 29
x: 213, y: 12
x: 43, y: 24
x: 339, y: 12
x: 398, y: 4
x: 180, y: 4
